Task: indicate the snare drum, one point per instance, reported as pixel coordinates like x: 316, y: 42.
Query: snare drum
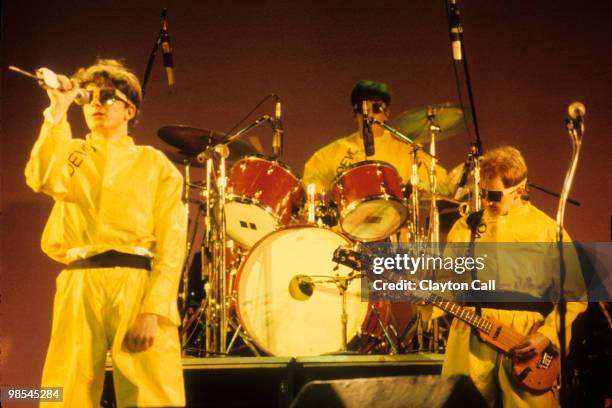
x: 370, y: 200
x: 262, y: 195
x: 285, y: 319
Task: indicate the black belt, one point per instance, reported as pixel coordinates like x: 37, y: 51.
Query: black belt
x: 111, y: 259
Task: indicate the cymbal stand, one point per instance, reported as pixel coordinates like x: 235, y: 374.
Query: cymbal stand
x: 434, y: 215
x: 184, y: 293
x: 210, y: 287
x: 414, y: 198
x: 433, y: 235
x: 222, y: 184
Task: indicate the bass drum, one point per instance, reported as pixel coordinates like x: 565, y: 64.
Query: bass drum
x: 282, y: 311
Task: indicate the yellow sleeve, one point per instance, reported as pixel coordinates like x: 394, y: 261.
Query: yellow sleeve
x: 47, y: 170
x: 170, y: 239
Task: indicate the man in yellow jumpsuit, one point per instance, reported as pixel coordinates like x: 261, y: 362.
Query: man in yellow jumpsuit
x: 119, y: 225
x: 509, y: 218
x: 331, y: 160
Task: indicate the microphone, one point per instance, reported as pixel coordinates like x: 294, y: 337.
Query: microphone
x: 166, y: 50
x: 301, y: 287
x: 277, y: 139
x: 576, y: 110
x: 48, y: 79
x: 368, y: 138
x: 456, y: 31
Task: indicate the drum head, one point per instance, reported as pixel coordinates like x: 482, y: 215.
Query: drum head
x: 373, y: 219
x: 281, y: 317
x: 247, y: 223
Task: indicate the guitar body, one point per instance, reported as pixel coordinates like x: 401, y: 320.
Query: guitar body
x: 538, y: 373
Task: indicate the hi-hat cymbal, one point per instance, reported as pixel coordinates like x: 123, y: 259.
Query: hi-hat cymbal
x: 414, y: 123
x: 192, y: 141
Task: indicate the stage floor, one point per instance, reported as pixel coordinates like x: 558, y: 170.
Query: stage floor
x: 275, y: 381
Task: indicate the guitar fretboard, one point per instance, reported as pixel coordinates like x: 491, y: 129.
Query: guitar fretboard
x: 460, y: 312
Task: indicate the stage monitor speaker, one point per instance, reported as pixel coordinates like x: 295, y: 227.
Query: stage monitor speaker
x: 391, y: 392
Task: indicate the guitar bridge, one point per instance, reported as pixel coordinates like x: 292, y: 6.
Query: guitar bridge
x: 545, y: 361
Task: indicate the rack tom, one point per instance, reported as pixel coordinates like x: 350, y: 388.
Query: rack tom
x: 370, y: 201
x: 262, y: 197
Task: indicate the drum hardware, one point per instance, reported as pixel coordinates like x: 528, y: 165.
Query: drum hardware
x: 392, y: 344
x: 237, y: 328
x: 311, y: 203
x: 212, y: 150
x: 305, y: 288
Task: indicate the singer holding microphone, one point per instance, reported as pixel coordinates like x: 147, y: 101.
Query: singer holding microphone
x: 370, y: 142
x: 119, y: 226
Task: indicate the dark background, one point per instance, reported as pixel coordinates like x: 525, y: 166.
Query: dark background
x: 528, y: 61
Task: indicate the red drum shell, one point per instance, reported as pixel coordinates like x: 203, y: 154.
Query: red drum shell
x: 262, y: 195
x: 369, y: 197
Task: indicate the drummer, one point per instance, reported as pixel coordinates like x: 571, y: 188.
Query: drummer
x: 331, y: 160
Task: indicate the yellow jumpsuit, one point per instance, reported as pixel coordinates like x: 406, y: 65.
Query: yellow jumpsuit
x: 331, y: 160
x: 465, y: 354
x: 111, y: 195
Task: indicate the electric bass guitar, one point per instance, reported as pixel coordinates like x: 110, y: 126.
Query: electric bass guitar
x: 536, y: 374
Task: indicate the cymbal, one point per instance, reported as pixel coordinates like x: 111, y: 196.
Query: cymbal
x: 413, y: 123
x: 192, y: 141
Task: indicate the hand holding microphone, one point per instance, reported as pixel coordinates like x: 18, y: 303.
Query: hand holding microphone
x: 62, y: 91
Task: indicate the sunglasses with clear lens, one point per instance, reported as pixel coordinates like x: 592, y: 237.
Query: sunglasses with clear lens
x: 106, y: 96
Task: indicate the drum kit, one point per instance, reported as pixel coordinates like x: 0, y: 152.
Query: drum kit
x: 264, y: 280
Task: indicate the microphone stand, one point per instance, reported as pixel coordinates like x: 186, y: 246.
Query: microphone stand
x: 575, y: 129
x: 454, y: 25
x: 153, y: 54
x: 342, y: 283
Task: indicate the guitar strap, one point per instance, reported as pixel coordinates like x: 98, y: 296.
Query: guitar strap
x: 474, y: 221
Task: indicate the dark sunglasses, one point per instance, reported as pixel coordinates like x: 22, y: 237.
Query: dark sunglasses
x: 497, y: 195
x: 377, y: 107
x: 491, y: 195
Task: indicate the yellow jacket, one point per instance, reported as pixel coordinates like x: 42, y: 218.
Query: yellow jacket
x: 527, y: 224
x: 112, y: 195
x: 331, y: 160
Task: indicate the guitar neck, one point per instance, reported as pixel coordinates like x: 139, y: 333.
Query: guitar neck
x: 460, y: 312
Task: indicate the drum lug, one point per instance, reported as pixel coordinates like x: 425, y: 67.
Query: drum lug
x: 243, y: 166
x: 379, y: 170
x: 270, y: 170
x: 257, y: 195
